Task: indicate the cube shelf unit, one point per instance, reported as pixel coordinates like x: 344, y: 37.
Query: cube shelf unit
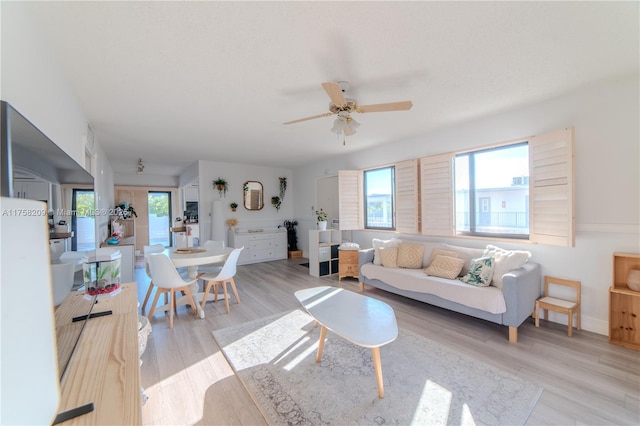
x: 323, y: 252
x: 624, y: 303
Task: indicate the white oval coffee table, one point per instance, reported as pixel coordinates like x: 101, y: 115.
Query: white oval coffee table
x: 362, y: 320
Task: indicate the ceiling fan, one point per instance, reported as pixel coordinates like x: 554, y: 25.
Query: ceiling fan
x: 343, y: 107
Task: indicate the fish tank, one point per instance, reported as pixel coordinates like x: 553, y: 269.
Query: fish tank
x: 101, y: 272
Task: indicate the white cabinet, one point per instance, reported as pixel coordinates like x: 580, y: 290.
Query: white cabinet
x: 323, y: 252
x: 259, y: 246
x: 187, y: 238
x: 32, y: 190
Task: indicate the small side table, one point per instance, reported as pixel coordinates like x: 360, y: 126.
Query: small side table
x: 347, y: 264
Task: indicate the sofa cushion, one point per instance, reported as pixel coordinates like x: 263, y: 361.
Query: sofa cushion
x: 377, y: 243
x: 440, y: 252
x: 389, y: 256
x: 410, y: 255
x: 466, y: 253
x: 480, y: 273
x: 489, y: 299
x: 445, y: 267
x: 505, y: 261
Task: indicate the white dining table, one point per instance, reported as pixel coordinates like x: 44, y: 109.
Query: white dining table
x: 191, y: 258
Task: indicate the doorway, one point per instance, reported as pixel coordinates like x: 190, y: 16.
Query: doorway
x: 83, y: 223
x: 159, y: 203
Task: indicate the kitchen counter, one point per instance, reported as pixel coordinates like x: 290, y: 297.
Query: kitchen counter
x: 126, y: 241
x: 60, y: 235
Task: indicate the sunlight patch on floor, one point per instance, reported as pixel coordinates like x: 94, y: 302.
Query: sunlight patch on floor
x: 438, y: 400
x: 195, y: 380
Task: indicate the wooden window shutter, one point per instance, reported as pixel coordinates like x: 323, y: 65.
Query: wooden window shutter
x: 436, y: 183
x: 350, y: 199
x: 551, y: 189
x: 407, y: 197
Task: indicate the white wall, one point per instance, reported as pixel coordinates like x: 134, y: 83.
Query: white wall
x: 32, y: 82
x: 607, y: 159
x: 236, y: 175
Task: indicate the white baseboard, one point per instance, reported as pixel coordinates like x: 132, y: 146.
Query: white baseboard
x: 587, y: 323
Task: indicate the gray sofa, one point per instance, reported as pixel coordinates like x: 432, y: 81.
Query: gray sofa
x: 520, y: 288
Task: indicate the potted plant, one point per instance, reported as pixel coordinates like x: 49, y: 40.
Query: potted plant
x: 221, y: 185
x: 233, y: 206
x: 276, y: 202
x: 321, y: 217
x: 292, y: 238
x: 283, y: 187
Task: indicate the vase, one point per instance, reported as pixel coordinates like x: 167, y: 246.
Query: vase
x: 322, y: 225
x: 633, y: 279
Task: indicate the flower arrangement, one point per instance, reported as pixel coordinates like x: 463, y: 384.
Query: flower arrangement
x: 232, y: 222
x: 321, y: 215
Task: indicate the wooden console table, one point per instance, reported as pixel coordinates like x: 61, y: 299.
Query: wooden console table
x: 105, y: 366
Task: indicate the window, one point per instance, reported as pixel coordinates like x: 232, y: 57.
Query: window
x: 492, y: 191
x: 379, y: 198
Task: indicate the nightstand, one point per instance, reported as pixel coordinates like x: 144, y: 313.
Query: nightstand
x: 348, y: 264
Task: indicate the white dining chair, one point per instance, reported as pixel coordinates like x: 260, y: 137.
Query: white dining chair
x: 211, y: 268
x: 223, y: 277
x: 154, y: 248
x: 61, y: 280
x: 167, y: 280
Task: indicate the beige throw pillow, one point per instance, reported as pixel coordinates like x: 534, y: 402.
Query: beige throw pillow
x: 445, y: 267
x: 389, y: 256
x: 377, y: 243
x: 410, y: 255
x: 440, y: 252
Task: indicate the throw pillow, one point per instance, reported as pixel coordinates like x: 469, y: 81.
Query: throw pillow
x: 480, y: 273
x: 445, y: 267
x: 389, y: 256
x: 377, y: 243
x: 440, y: 252
x: 466, y: 253
x: 410, y: 255
x: 505, y: 261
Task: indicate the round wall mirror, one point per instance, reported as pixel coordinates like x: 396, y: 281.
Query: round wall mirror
x: 253, y: 195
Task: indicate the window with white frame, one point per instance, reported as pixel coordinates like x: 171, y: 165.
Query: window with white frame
x: 520, y: 190
x: 492, y: 191
x: 379, y: 198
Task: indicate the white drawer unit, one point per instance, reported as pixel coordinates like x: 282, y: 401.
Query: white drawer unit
x: 259, y: 246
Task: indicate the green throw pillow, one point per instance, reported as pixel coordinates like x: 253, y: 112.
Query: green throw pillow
x: 480, y: 272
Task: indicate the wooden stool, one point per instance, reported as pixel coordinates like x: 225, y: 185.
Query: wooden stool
x: 563, y: 306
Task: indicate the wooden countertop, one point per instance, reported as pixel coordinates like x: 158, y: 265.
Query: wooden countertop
x: 104, y: 368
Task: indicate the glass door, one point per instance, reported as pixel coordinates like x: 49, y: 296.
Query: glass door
x: 159, y: 217
x: 83, y: 223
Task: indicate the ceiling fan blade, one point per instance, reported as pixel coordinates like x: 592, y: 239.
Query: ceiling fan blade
x: 335, y: 93
x: 391, y: 106
x: 326, y: 114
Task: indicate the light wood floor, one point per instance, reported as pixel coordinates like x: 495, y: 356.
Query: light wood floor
x: 586, y: 380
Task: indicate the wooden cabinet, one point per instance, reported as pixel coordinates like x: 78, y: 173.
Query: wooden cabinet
x: 323, y: 252
x: 624, y: 303
x: 104, y: 367
x: 259, y: 246
x: 348, y: 264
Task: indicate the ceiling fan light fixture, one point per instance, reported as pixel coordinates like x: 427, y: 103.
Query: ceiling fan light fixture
x: 338, y: 125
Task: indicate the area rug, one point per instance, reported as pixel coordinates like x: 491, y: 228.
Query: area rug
x: 425, y: 382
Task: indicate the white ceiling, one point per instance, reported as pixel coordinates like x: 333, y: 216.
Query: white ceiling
x: 176, y: 82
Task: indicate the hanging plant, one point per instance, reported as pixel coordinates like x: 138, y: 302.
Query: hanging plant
x: 221, y: 185
x: 276, y: 202
x: 283, y: 187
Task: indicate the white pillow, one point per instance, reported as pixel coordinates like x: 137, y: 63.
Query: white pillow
x: 505, y: 261
x: 466, y: 253
x: 377, y: 243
